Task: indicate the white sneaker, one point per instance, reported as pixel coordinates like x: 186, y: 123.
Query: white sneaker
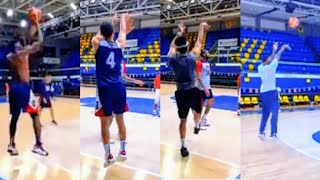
x: 12, y: 150
x: 204, y: 122
x: 108, y: 161
x: 122, y: 155
x: 38, y: 149
x: 262, y: 136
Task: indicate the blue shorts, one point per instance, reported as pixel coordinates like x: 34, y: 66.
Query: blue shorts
x: 111, y: 99
x: 45, y: 102
x: 19, y: 96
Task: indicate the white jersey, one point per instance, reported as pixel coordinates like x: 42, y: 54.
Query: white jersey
x: 203, y: 67
x: 267, y: 74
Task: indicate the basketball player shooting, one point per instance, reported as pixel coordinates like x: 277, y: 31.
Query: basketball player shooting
x: 110, y: 87
x: 20, y: 94
x: 183, y: 64
x: 269, y: 94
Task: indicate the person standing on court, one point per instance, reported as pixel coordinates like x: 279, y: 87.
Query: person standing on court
x: 188, y: 95
x: 111, y: 91
x: 269, y: 94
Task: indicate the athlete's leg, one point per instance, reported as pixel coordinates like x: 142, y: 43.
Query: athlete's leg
x: 15, y: 113
x: 105, y: 134
x: 38, y: 148
x: 275, y: 111
x: 265, y: 111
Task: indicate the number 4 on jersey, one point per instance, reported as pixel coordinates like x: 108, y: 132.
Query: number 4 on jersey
x: 110, y: 60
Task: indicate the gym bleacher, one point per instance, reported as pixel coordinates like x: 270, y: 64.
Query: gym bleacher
x: 297, y: 73
x: 222, y: 72
x: 142, y: 59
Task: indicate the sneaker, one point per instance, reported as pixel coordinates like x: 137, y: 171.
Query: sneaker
x: 122, y: 155
x: 12, y: 150
x: 262, y: 136
x: 38, y: 149
x: 273, y: 136
x: 184, y: 152
x: 238, y: 112
x: 109, y: 161
x: 196, y: 130
x: 54, y: 122
x: 154, y: 113
x: 204, y: 122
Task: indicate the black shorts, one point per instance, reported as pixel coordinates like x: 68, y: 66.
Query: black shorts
x: 187, y: 99
x: 204, y: 97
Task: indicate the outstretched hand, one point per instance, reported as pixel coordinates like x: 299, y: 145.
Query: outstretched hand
x: 182, y: 28
x: 275, y: 46
x: 285, y: 46
x: 129, y: 22
x: 205, y: 25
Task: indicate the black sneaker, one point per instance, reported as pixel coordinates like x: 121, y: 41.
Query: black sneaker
x: 196, y: 130
x: 184, y: 152
x: 12, y: 150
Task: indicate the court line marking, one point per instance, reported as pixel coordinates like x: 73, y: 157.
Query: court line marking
x: 121, y: 164
x: 299, y: 150
x: 234, y: 165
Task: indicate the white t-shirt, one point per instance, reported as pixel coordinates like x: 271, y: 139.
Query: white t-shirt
x: 267, y: 74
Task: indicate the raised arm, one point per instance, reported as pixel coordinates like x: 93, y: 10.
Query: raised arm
x: 96, y: 40
x: 126, y: 26
x: 198, y: 45
x: 283, y: 48
x: 172, y: 50
x: 29, y: 49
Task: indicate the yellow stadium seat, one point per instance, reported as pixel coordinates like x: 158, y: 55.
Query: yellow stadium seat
x: 243, y: 60
x: 241, y: 100
x: 249, y: 50
x: 251, y: 67
x: 252, y: 46
x: 247, y: 100
x: 259, y: 51
x: 246, y: 55
x: 254, y: 100
x: 306, y: 98
x: 243, y: 45
x: 285, y: 99
x: 300, y: 98
x: 246, y: 40
x: 295, y: 99
x: 256, y: 56
x: 317, y: 98
x: 280, y: 99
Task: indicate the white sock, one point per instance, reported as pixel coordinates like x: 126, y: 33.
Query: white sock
x: 204, y: 116
x: 182, y: 142
x: 123, y: 145
x: 107, y: 149
x: 198, y: 124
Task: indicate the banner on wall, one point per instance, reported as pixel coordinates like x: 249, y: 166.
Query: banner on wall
x: 132, y: 43
x: 50, y: 60
x: 228, y: 42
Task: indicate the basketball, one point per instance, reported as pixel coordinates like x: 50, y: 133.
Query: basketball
x: 35, y: 15
x: 293, y: 22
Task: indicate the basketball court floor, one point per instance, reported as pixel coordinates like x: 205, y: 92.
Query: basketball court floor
x: 295, y: 155
x: 142, y: 137
x: 214, y: 153
x: 63, y: 160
